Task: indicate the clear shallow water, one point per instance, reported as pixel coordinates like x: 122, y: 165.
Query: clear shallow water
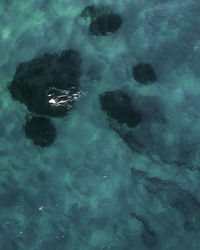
x: 80, y: 193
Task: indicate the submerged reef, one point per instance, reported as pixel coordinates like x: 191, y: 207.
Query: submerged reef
x: 117, y: 105
x: 102, y: 19
x: 145, y: 118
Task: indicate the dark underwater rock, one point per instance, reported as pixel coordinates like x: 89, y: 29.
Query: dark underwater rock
x: 34, y: 79
x: 144, y: 73
x: 103, y: 20
x: 40, y: 130
x: 117, y: 105
x: 175, y: 196
x: 105, y: 23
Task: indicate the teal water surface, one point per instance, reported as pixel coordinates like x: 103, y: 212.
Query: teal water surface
x: 95, y: 187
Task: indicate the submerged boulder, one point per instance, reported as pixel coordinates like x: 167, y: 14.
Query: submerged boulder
x: 40, y: 130
x: 34, y: 80
x: 102, y: 19
x: 105, y: 23
x: 117, y: 105
x: 144, y: 73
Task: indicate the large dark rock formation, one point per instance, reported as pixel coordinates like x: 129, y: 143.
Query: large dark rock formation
x: 34, y: 82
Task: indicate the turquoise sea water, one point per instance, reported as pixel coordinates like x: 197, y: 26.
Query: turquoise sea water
x: 91, y: 190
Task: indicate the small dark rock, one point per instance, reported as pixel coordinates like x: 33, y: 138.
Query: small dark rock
x: 144, y: 73
x: 103, y: 20
x: 117, y: 105
x: 105, y: 23
x: 40, y: 130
